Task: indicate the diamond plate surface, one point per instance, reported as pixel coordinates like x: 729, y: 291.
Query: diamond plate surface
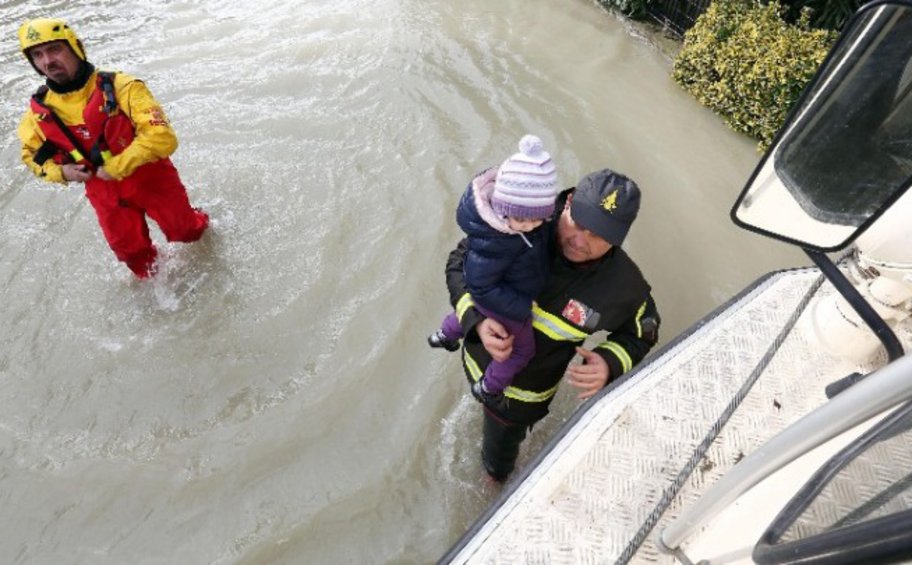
x: 588, y: 501
x: 873, y: 485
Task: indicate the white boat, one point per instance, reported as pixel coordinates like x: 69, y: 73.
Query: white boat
x: 778, y: 429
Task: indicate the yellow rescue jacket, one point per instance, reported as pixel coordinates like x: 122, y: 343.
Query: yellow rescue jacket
x: 154, y: 137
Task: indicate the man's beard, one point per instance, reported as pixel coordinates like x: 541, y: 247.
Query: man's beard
x: 57, y: 73
x: 83, y: 73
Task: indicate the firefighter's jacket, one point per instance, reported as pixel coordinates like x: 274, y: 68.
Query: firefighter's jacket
x: 608, y: 294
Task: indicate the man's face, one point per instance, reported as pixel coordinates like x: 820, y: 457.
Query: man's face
x: 578, y: 244
x: 55, y: 60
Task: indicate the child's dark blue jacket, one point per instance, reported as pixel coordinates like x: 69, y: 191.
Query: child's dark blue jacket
x: 504, y: 270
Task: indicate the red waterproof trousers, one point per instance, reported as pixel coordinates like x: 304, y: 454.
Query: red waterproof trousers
x: 154, y: 189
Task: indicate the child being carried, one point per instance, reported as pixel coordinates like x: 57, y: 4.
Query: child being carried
x: 506, y: 261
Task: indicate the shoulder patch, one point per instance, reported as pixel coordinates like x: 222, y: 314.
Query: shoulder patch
x: 580, y: 315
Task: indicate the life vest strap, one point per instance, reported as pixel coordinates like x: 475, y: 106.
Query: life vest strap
x: 100, y: 153
x: 47, y: 151
x: 106, y: 79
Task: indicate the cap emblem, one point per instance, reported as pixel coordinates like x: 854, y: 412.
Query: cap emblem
x: 609, y: 203
x: 32, y: 34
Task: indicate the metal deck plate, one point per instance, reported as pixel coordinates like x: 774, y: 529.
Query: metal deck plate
x: 589, y: 496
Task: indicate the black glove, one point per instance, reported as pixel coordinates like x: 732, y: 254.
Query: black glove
x: 489, y: 399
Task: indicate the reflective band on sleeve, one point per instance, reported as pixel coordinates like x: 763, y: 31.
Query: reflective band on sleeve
x: 76, y: 155
x: 620, y: 353
x: 106, y: 155
x: 464, y: 304
x: 511, y: 391
x: 639, y: 317
x: 554, y: 327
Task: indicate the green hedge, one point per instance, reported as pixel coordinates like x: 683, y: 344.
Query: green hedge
x: 744, y: 62
x: 825, y: 14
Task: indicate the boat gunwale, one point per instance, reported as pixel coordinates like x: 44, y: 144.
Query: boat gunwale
x: 582, y: 412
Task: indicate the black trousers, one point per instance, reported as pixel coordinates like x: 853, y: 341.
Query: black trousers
x: 500, y: 445
x: 504, y: 430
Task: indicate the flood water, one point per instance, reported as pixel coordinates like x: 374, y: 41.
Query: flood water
x: 270, y: 397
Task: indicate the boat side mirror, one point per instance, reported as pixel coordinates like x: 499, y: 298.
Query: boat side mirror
x: 844, y: 154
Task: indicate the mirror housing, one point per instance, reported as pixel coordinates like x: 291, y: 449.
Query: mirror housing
x: 844, y: 155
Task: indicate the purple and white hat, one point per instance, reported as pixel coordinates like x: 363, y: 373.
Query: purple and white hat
x: 526, y: 183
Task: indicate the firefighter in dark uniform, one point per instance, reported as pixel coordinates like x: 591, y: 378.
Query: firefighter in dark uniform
x: 594, y: 285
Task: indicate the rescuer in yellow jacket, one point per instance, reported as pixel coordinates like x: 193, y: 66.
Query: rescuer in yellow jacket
x: 107, y: 131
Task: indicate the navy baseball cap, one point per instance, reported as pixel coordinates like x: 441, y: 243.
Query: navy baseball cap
x: 606, y: 203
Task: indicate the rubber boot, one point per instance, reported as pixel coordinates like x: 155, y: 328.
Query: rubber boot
x: 500, y: 445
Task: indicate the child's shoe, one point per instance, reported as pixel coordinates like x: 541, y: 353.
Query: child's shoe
x: 437, y: 340
x: 481, y: 394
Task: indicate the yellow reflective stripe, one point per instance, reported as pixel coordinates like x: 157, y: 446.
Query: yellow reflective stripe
x: 554, y: 327
x: 620, y: 353
x: 464, y: 304
x: 528, y: 395
x: 76, y: 155
x: 105, y: 155
x: 474, y: 370
x: 511, y: 391
x: 639, y: 317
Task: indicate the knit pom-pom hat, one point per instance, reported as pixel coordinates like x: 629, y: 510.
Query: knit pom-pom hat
x: 526, y: 183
